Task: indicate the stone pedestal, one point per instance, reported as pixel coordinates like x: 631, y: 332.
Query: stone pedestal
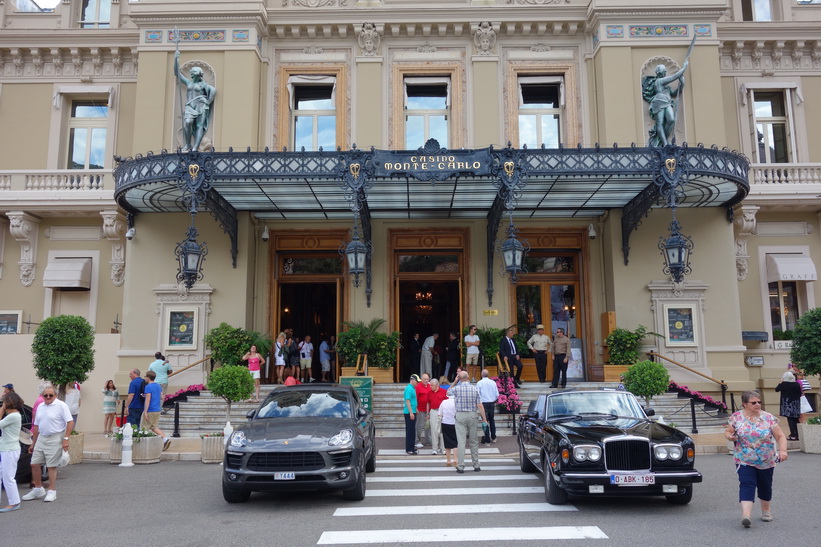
x: 810, y: 438
x: 213, y: 449
x: 144, y: 450
x: 75, y: 448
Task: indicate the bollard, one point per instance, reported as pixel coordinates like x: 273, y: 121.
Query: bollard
x: 128, y: 442
x: 227, y: 430
x: 176, y: 419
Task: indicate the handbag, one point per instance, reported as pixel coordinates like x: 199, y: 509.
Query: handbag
x: 806, y: 407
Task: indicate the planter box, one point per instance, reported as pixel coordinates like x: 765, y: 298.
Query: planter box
x: 146, y: 450
x: 612, y: 373
x: 213, y: 449
x: 347, y: 371
x: 381, y: 375
x: 75, y: 448
x: 810, y: 438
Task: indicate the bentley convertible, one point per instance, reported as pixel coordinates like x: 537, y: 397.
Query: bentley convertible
x: 307, y: 437
x: 603, y: 443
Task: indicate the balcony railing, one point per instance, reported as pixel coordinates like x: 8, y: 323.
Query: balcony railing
x: 784, y: 173
x: 56, y: 180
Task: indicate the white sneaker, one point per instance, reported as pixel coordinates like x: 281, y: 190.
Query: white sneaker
x: 433, y: 452
x: 34, y: 494
x: 51, y: 495
x: 419, y: 445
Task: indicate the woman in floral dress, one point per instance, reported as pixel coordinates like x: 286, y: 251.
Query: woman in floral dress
x: 755, y: 434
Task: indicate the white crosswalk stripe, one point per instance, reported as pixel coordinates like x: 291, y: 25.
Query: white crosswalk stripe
x: 401, y: 479
x: 426, y: 451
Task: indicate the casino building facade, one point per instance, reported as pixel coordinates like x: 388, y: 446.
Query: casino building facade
x: 434, y: 136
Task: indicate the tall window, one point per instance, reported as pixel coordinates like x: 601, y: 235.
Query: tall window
x: 427, y: 110
x: 540, y: 107
x: 313, y: 112
x: 95, y: 14
x: 772, y: 127
x: 756, y: 10
x: 87, y: 134
x: 783, y: 304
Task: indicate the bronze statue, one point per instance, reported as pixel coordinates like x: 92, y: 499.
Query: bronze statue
x: 656, y: 90
x: 196, y: 116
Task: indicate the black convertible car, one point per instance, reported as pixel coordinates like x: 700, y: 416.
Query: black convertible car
x: 602, y: 443
x: 306, y: 437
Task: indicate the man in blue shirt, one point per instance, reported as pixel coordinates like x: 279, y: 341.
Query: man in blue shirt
x: 326, y: 351
x: 153, y: 406
x: 409, y: 410
x: 135, y: 400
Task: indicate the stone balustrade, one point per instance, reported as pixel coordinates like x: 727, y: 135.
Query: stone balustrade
x: 56, y: 180
x: 784, y: 173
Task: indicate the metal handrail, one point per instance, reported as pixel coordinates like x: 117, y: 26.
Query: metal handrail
x: 721, y: 383
x: 189, y: 366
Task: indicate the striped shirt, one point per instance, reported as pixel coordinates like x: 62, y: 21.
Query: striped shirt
x: 465, y: 397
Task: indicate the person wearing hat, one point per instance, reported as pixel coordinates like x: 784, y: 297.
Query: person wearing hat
x: 8, y: 388
x: 409, y: 410
x: 10, y: 423
x: 540, y: 344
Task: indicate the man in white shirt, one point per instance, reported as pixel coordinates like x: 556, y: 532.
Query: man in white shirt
x: 472, y: 344
x: 488, y: 394
x: 427, y: 354
x: 306, y: 357
x: 50, y: 432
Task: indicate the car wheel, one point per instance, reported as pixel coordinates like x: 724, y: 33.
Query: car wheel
x: 553, y: 492
x: 370, y: 465
x: 357, y: 493
x: 234, y: 496
x: 524, y: 462
x: 683, y: 498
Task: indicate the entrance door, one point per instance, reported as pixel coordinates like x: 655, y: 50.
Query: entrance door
x: 427, y: 307
x: 309, y: 309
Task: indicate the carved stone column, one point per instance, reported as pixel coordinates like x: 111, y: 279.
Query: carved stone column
x: 25, y: 228
x: 4, y: 227
x: 114, y: 229
x: 745, y: 226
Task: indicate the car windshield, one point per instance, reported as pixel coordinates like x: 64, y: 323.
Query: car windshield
x: 594, y: 402
x: 285, y: 403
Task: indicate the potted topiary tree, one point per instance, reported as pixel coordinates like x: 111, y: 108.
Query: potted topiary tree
x: 646, y: 379
x: 232, y: 383
x: 63, y: 350
x: 365, y: 339
x: 806, y: 354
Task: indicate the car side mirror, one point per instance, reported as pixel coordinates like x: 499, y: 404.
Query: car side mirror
x: 250, y: 414
x: 362, y: 413
x: 532, y: 413
x: 650, y: 411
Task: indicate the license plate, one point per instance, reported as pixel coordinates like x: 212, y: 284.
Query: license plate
x: 632, y: 480
x: 284, y: 476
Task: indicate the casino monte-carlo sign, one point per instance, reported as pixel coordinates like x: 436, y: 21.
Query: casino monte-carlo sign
x: 433, y: 166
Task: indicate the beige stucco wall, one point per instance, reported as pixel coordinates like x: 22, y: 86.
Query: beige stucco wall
x: 24, y: 126
x: 812, y: 109
x: 368, y: 116
x: 487, y: 105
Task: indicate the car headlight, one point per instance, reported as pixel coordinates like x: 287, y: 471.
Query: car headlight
x: 668, y: 451
x: 343, y: 437
x: 587, y: 453
x: 238, y: 439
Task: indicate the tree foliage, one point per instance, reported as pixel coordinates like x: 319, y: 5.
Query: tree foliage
x: 646, y: 379
x: 232, y: 384
x: 228, y: 344
x: 806, y: 342
x: 63, y: 350
x: 364, y: 337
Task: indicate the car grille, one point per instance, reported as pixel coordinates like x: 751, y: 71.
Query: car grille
x: 342, y: 459
x: 627, y: 455
x: 285, y: 461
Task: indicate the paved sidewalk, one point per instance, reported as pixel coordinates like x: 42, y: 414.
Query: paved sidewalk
x: 97, y: 446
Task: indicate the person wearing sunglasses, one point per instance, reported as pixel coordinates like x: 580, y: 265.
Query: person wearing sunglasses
x: 759, y: 443
x: 50, y: 432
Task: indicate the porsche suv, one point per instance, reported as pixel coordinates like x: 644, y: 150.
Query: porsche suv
x: 305, y: 437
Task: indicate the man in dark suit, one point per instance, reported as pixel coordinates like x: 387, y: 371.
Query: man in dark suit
x: 415, y: 353
x: 510, y: 355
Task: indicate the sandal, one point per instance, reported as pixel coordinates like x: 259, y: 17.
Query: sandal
x: 767, y: 516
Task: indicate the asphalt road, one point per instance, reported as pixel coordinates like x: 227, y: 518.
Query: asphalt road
x: 414, y: 500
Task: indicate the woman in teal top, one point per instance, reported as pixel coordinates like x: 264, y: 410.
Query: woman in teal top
x: 10, y: 448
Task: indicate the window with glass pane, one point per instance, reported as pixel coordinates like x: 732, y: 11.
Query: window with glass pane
x: 428, y: 263
x: 783, y: 304
x: 313, y: 265
x: 95, y: 14
x: 756, y: 10
x: 87, y: 134
x: 772, y: 127
x: 563, y: 309
x: 528, y: 309
x: 426, y: 114
x: 540, y: 114
x: 550, y: 264
x: 314, y: 117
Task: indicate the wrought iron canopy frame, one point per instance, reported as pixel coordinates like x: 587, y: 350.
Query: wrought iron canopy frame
x: 561, y: 183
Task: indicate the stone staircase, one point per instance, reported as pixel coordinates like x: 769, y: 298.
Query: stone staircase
x: 206, y: 413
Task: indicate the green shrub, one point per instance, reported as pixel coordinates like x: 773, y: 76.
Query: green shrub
x: 815, y: 420
x: 646, y: 379
x: 624, y: 346
x: 364, y: 337
x: 806, y: 343
x: 228, y: 344
x: 63, y: 350
x: 232, y: 384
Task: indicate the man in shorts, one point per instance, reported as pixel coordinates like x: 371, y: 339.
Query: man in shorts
x: 306, y: 357
x: 153, y: 406
x: 326, y: 350
x: 49, y: 437
x: 472, y: 357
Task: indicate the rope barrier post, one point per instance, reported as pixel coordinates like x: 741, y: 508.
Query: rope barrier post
x: 724, y: 393
x: 693, y: 414
x: 732, y: 401
x: 176, y: 419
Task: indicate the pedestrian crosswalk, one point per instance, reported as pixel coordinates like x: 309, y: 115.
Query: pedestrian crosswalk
x: 418, y: 499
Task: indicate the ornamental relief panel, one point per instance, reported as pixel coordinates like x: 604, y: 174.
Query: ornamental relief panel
x: 72, y: 63
x: 769, y: 57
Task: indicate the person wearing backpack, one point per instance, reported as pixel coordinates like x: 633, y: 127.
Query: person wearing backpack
x: 135, y: 401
